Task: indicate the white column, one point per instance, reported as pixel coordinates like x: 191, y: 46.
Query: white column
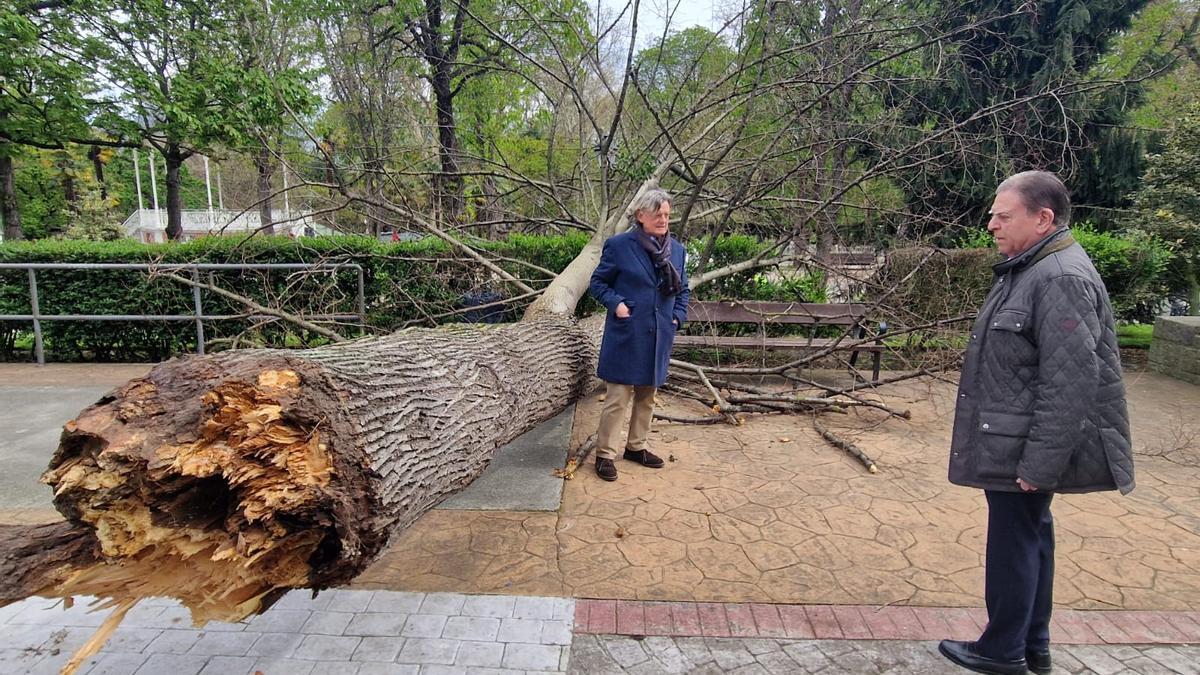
x: 137, y: 181
x: 154, y: 192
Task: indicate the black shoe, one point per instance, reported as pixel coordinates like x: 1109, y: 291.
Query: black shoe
x: 644, y: 457
x: 963, y: 653
x: 1039, y: 660
x: 606, y: 469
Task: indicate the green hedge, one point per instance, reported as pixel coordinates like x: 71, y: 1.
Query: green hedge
x: 956, y: 281
x: 403, y: 282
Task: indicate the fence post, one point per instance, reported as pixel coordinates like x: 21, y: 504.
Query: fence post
x: 199, y: 311
x: 38, y: 346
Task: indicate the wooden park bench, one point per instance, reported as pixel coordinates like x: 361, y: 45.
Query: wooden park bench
x: 705, y: 315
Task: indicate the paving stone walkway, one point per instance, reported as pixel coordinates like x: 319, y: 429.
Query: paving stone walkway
x: 390, y: 632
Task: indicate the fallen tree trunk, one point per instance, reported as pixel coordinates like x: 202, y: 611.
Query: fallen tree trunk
x: 226, y: 480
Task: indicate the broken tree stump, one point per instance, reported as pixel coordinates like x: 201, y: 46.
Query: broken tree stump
x: 226, y: 480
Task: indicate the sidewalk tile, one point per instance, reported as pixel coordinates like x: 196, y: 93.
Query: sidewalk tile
x: 428, y: 650
x: 556, y: 633
x: 531, y: 657
x: 602, y: 616
x: 303, y: 599
x: 932, y: 623
x: 536, y: 608
x: 350, y: 601
x: 480, y: 654
x: 327, y: 647
x: 880, y: 624
x: 498, y: 606
x: 326, y: 623
x: 1131, y: 625
x: 685, y: 618
x: 1102, y: 626
x: 173, y: 642
x: 376, y: 624
x: 519, y: 630
x: 713, y: 622
x: 795, y: 622
x: 1163, y: 630
x: 768, y: 621
x: 962, y: 626
x: 273, y: 666
x: 396, y: 602
x: 424, y: 626
x: 478, y: 628
x: 175, y: 664
x: 378, y: 649
x: 275, y: 645
x: 741, y: 620
x: 388, y: 669
x: 581, y: 616
x: 851, y: 622
x: 1185, y: 624
x: 823, y: 622
x: 279, y: 620
x: 224, y: 644
x: 448, y: 604
x: 228, y: 665
x: 631, y: 617
x: 1172, y: 659
x: 114, y: 664
x: 658, y: 618
x: 131, y: 639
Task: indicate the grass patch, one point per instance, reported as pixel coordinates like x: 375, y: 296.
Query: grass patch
x: 1135, y: 335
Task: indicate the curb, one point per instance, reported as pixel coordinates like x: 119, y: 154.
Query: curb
x: 866, y: 622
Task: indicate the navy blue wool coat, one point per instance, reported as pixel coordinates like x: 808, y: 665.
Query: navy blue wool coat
x: 637, y: 350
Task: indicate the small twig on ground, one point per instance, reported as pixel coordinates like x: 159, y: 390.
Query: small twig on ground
x: 850, y: 448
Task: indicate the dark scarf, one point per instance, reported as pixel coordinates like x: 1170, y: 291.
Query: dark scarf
x: 660, y: 254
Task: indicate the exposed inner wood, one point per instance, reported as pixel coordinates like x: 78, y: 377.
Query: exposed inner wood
x: 221, y: 520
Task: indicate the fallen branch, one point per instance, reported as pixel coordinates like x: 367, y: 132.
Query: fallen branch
x: 850, y: 448
x: 261, y: 309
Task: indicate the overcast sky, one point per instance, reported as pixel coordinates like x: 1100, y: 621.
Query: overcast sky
x: 652, y: 15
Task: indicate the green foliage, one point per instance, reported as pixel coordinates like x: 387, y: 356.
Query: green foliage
x: 1168, y: 204
x: 1133, y: 266
x: 404, y: 282
x: 1135, y: 335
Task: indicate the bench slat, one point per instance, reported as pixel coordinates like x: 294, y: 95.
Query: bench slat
x: 802, y: 313
x: 753, y: 342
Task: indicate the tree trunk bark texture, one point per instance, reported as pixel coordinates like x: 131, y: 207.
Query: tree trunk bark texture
x: 225, y: 480
x: 265, y: 168
x: 9, y: 212
x: 174, y: 161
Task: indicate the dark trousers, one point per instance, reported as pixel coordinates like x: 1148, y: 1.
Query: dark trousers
x: 1018, y: 574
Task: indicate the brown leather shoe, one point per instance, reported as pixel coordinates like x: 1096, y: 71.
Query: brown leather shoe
x: 606, y: 469
x: 644, y: 457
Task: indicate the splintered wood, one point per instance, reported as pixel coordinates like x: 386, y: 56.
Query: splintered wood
x: 212, y: 520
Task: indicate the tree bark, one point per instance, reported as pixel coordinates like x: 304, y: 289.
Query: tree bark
x: 9, y: 211
x: 225, y: 480
x: 449, y: 184
x: 262, y: 162
x: 174, y: 159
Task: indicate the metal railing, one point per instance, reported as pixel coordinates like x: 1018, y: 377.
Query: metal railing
x: 198, y: 316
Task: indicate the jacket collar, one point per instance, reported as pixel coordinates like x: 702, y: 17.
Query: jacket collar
x: 1051, y: 243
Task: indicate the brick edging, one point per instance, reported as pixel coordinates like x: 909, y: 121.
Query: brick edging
x: 866, y: 622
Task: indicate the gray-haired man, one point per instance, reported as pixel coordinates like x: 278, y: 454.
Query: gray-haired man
x: 1040, y: 409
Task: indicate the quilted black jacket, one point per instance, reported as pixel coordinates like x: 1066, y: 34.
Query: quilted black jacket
x: 1041, y: 395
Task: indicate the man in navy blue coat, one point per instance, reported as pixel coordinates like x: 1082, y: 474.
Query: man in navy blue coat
x: 641, y: 280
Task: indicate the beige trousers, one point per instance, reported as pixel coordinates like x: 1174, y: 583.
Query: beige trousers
x: 617, y: 398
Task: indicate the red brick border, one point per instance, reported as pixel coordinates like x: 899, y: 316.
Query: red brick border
x: 865, y: 622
